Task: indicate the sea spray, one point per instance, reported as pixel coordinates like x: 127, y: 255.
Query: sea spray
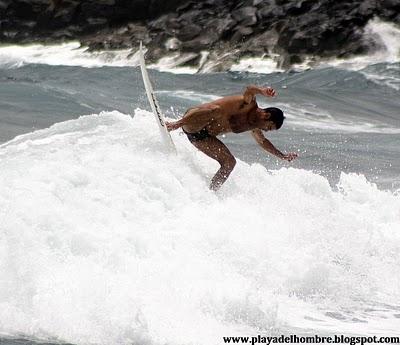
x: 105, y: 238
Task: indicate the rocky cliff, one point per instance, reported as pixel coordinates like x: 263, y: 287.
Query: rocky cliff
x: 228, y: 29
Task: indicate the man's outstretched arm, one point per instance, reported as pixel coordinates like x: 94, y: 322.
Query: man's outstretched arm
x: 269, y: 147
x: 253, y: 90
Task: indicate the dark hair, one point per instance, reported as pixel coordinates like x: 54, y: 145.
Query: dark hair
x: 276, y: 117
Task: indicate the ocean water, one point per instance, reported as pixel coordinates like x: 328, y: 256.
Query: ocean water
x: 107, y: 239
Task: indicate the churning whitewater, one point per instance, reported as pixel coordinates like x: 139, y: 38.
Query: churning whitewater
x: 106, y: 239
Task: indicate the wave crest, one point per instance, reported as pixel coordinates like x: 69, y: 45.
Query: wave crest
x: 107, y: 239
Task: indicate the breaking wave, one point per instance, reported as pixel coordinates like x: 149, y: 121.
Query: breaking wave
x: 107, y: 239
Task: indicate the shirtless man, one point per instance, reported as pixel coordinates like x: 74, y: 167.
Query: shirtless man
x: 239, y: 113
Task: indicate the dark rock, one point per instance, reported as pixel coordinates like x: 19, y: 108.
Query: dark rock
x: 10, y: 33
x: 390, y: 3
x: 107, y: 2
x: 271, y: 12
x: 298, y: 7
x: 74, y: 29
x: 292, y: 28
x: 64, y: 34
x: 157, y: 7
x: 188, y: 32
x: 137, y: 29
x: 97, y: 21
x: 29, y: 24
x: 3, y: 6
x: 262, y: 43
x: 265, y: 11
x: 301, y: 42
x: 96, y: 9
x: 62, y: 16
x: 222, y: 26
x: 367, y: 8
x: 295, y: 59
x: 243, y: 30
x: 389, y: 13
x: 167, y: 24
x: 184, y: 6
x: 246, y: 16
x: 190, y: 16
x: 201, y: 42
x: 241, y: 33
x: 123, y: 30
x: 21, y: 10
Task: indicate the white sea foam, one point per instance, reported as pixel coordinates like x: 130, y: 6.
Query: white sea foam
x: 74, y: 54
x: 256, y: 65
x: 106, y: 239
x: 66, y: 54
x: 190, y: 95
x: 172, y: 63
x: 386, y: 35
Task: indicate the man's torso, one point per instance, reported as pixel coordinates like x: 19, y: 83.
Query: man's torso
x: 234, y: 115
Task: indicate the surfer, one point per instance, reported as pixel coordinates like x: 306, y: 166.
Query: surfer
x: 239, y: 113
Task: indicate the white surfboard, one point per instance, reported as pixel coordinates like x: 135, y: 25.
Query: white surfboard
x: 165, y: 136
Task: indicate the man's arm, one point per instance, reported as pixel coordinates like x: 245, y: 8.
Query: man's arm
x: 269, y: 147
x: 251, y: 91
x: 196, y: 118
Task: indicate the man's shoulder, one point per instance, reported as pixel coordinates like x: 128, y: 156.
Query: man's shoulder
x: 229, y: 100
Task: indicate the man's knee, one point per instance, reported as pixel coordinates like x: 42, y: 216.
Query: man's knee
x: 229, y: 163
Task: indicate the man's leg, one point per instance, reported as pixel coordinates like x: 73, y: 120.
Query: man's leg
x: 215, y: 149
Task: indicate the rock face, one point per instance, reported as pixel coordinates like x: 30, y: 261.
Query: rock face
x: 292, y: 28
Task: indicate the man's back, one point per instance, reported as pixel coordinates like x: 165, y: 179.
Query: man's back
x: 229, y: 114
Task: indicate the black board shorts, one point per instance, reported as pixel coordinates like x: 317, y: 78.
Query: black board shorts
x: 197, y: 136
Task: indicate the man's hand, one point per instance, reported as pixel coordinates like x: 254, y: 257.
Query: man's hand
x: 171, y: 126
x: 289, y: 156
x: 268, y: 92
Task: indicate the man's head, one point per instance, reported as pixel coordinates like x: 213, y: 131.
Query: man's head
x: 273, y: 118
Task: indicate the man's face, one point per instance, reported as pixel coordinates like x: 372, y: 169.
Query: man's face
x: 269, y: 126
x: 266, y: 124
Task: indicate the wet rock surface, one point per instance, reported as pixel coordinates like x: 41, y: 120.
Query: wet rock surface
x: 228, y: 29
